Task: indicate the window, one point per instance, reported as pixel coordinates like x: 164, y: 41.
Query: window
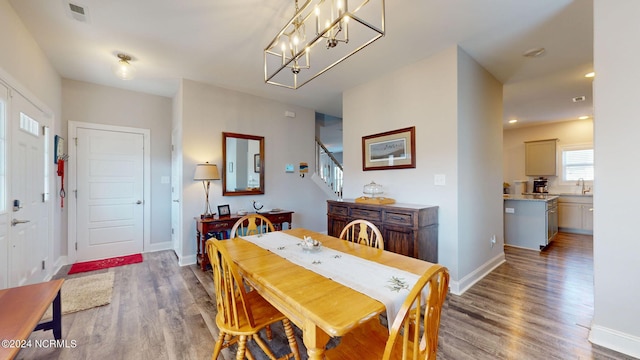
x: 577, y: 163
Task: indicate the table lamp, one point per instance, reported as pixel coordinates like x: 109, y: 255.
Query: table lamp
x: 205, y: 173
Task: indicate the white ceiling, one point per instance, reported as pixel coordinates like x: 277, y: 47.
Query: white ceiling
x: 220, y: 42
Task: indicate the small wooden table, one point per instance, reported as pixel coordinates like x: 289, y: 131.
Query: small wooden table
x: 319, y: 306
x: 225, y: 223
x: 21, y: 309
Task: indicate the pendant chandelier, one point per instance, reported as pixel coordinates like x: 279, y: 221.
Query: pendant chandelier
x: 321, y: 34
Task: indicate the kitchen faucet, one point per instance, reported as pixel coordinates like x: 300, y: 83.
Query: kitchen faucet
x: 584, y: 190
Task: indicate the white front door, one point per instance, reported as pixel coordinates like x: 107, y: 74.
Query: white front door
x: 29, y: 223
x: 110, y: 189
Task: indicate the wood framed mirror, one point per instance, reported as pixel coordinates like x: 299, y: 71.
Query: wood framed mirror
x: 244, y: 168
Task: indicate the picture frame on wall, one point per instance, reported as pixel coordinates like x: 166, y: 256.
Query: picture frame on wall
x: 389, y: 150
x: 224, y: 210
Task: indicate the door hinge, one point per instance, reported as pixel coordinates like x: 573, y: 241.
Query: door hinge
x: 75, y: 193
x: 171, y: 231
x: 172, y: 147
x: 76, y: 246
x: 43, y: 267
x: 75, y: 139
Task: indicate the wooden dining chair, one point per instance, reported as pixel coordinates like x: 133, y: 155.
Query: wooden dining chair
x: 363, y: 232
x: 241, y: 313
x: 252, y: 224
x: 414, y: 332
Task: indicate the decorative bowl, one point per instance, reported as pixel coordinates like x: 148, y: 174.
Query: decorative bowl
x: 310, y: 245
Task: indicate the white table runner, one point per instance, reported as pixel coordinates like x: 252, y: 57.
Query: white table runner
x: 381, y: 282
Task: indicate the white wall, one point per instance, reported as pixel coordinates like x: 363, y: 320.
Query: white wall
x: 446, y: 97
x: 567, y: 133
x: 86, y: 102
x: 617, y: 154
x: 207, y: 111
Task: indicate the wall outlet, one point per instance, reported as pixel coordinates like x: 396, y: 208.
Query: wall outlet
x: 510, y: 210
x: 439, y: 180
x: 493, y: 241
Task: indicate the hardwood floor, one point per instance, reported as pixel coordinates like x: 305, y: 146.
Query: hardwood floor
x: 535, y: 306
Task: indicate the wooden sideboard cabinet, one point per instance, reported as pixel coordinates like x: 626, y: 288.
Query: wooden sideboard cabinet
x: 407, y: 229
x: 205, y: 228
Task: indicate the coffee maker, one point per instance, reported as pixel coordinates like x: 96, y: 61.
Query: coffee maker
x: 540, y: 185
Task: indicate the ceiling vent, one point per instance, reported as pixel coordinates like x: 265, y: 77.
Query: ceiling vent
x: 579, y: 98
x: 77, y: 12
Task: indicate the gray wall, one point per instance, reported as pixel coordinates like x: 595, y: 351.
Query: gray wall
x: 451, y: 100
x: 90, y: 103
x: 615, y: 234
x: 206, y: 112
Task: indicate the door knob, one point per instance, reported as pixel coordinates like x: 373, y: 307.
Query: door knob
x: 15, y: 222
x: 139, y: 202
x: 176, y: 200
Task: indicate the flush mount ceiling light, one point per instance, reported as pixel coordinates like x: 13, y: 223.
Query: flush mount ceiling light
x: 321, y: 34
x: 513, y: 121
x: 590, y: 74
x: 533, y: 53
x: 123, y: 68
x: 584, y: 117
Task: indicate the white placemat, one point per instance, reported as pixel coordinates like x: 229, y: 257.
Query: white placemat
x: 381, y: 282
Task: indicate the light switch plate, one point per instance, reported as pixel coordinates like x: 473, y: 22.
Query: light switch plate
x: 510, y: 210
x: 439, y: 180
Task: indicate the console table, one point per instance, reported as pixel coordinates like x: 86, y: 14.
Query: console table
x: 219, y: 224
x: 21, y: 309
x: 407, y: 229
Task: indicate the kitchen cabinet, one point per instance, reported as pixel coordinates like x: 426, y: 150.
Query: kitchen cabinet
x: 407, y: 229
x: 540, y: 157
x: 576, y: 214
x: 530, y: 221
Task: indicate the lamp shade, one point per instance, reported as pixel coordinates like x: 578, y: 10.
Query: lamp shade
x: 206, y: 172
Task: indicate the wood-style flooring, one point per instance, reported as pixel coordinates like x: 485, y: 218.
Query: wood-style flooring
x: 538, y: 305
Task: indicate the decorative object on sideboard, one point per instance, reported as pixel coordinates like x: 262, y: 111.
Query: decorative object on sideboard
x: 374, y: 191
x: 205, y: 173
x: 343, y: 29
x: 224, y: 210
x: 389, y: 150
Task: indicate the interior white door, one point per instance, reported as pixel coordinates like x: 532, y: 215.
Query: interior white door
x: 4, y: 203
x: 29, y: 225
x: 110, y: 189
x: 176, y: 186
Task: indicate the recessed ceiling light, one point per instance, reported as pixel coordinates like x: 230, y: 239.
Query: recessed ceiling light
x: 584, y: 117
x: 590, y: 74
x: 513, y: 121
x: 535, y: 52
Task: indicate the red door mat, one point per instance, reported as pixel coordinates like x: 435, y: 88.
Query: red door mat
x: 105, y: 263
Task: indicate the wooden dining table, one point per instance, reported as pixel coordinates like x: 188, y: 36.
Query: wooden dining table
x: 319, y: 306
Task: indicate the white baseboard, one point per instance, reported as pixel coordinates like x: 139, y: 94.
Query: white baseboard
x: 167, y: 245
x: 615, y: 340
x: 187, y: 260
x: 459, y: 287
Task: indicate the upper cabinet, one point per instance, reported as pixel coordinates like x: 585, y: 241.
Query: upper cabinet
x: 540, y: 157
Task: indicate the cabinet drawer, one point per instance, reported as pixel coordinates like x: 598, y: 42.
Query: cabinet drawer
x: 224, y: 225
x: 366, y: 214
x: 338, y: 210
x: 279, y: 218
x: 398, y: 218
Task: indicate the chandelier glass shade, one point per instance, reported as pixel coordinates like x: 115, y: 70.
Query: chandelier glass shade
x: 123, y: 68
x: 321, y: 34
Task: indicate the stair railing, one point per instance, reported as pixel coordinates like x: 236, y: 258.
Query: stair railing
x: 328, y: 168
